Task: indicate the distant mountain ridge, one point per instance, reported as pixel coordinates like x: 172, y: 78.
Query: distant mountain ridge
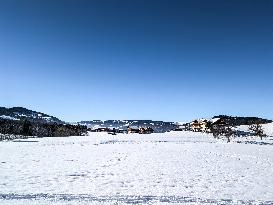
x: 158, y: 126
x: 20, y: 113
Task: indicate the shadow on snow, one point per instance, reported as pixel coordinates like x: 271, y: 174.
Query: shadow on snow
x: 125, y: 199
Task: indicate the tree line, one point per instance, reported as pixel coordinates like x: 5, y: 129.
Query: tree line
x: 223, y: 129
x: 30, y: 128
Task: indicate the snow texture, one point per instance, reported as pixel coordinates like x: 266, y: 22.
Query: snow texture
x: 8, y: 117
x: 166, y: 168
x: 267, y: 128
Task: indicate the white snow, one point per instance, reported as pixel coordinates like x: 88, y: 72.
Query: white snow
x: 174, y: 167
x: 8, y: 117
x: 47, y: 118
x: 267, y: 128
x: 213, y: 120
x: 180, y: 123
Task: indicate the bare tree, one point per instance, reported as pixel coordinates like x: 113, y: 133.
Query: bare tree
x: 229, y: 133
x: 223, y: 131
x: 257, y: 129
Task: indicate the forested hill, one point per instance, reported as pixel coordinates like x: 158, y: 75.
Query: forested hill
x: 237, y: 121
x: 18, y: 122
x: 20, y: 113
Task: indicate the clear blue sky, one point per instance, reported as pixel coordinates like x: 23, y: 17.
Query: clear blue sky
x: 143, y: 59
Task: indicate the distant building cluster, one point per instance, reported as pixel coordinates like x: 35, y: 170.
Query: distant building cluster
x: 202, y: 125
x: 129, y: 130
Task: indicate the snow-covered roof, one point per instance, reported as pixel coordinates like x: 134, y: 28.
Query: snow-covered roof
x: 134, y: 127
x: 98, y: 127
x: 213, y: 120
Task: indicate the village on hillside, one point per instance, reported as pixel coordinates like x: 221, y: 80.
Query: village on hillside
x: 129, y: 130
x: 219, y: 126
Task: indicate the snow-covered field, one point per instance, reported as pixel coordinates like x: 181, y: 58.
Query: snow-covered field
x: 169, y: 168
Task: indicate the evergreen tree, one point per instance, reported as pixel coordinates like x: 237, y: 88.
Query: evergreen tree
x: 26, y: 131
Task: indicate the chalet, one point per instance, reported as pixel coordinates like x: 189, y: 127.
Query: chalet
x: 179, y: 127
x: 199, y: 125
x: 183, y: 127
x: 149, y: 130
x: 196, y: 126
x: 112, y: 131
x: 133, y: 129
x: 203, y: 125
x: 146, y: 130
x: 124, y: 131
x: 142, y: 130
x: 101, y: 129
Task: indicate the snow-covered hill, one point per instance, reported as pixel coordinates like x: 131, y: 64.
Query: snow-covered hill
x: 158, y: 126
x: 17, y: 113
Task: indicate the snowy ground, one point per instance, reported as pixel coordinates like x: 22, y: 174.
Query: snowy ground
x: 169, y: 168
x: 267, y: 128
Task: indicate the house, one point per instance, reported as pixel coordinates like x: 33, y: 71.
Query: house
x: 124, y: 131
x: 196, y: 126
x: 101, y: 129
x: 199, y: 125
x: 133, y: 129
x: 149, y: 130
x: 146, y: 130
x: 183, y: 127
x: 203, y: 125
x: 112, y: 131
x: 180, y: 126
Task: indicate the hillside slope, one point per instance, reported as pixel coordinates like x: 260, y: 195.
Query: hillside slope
x: 20, y: 113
